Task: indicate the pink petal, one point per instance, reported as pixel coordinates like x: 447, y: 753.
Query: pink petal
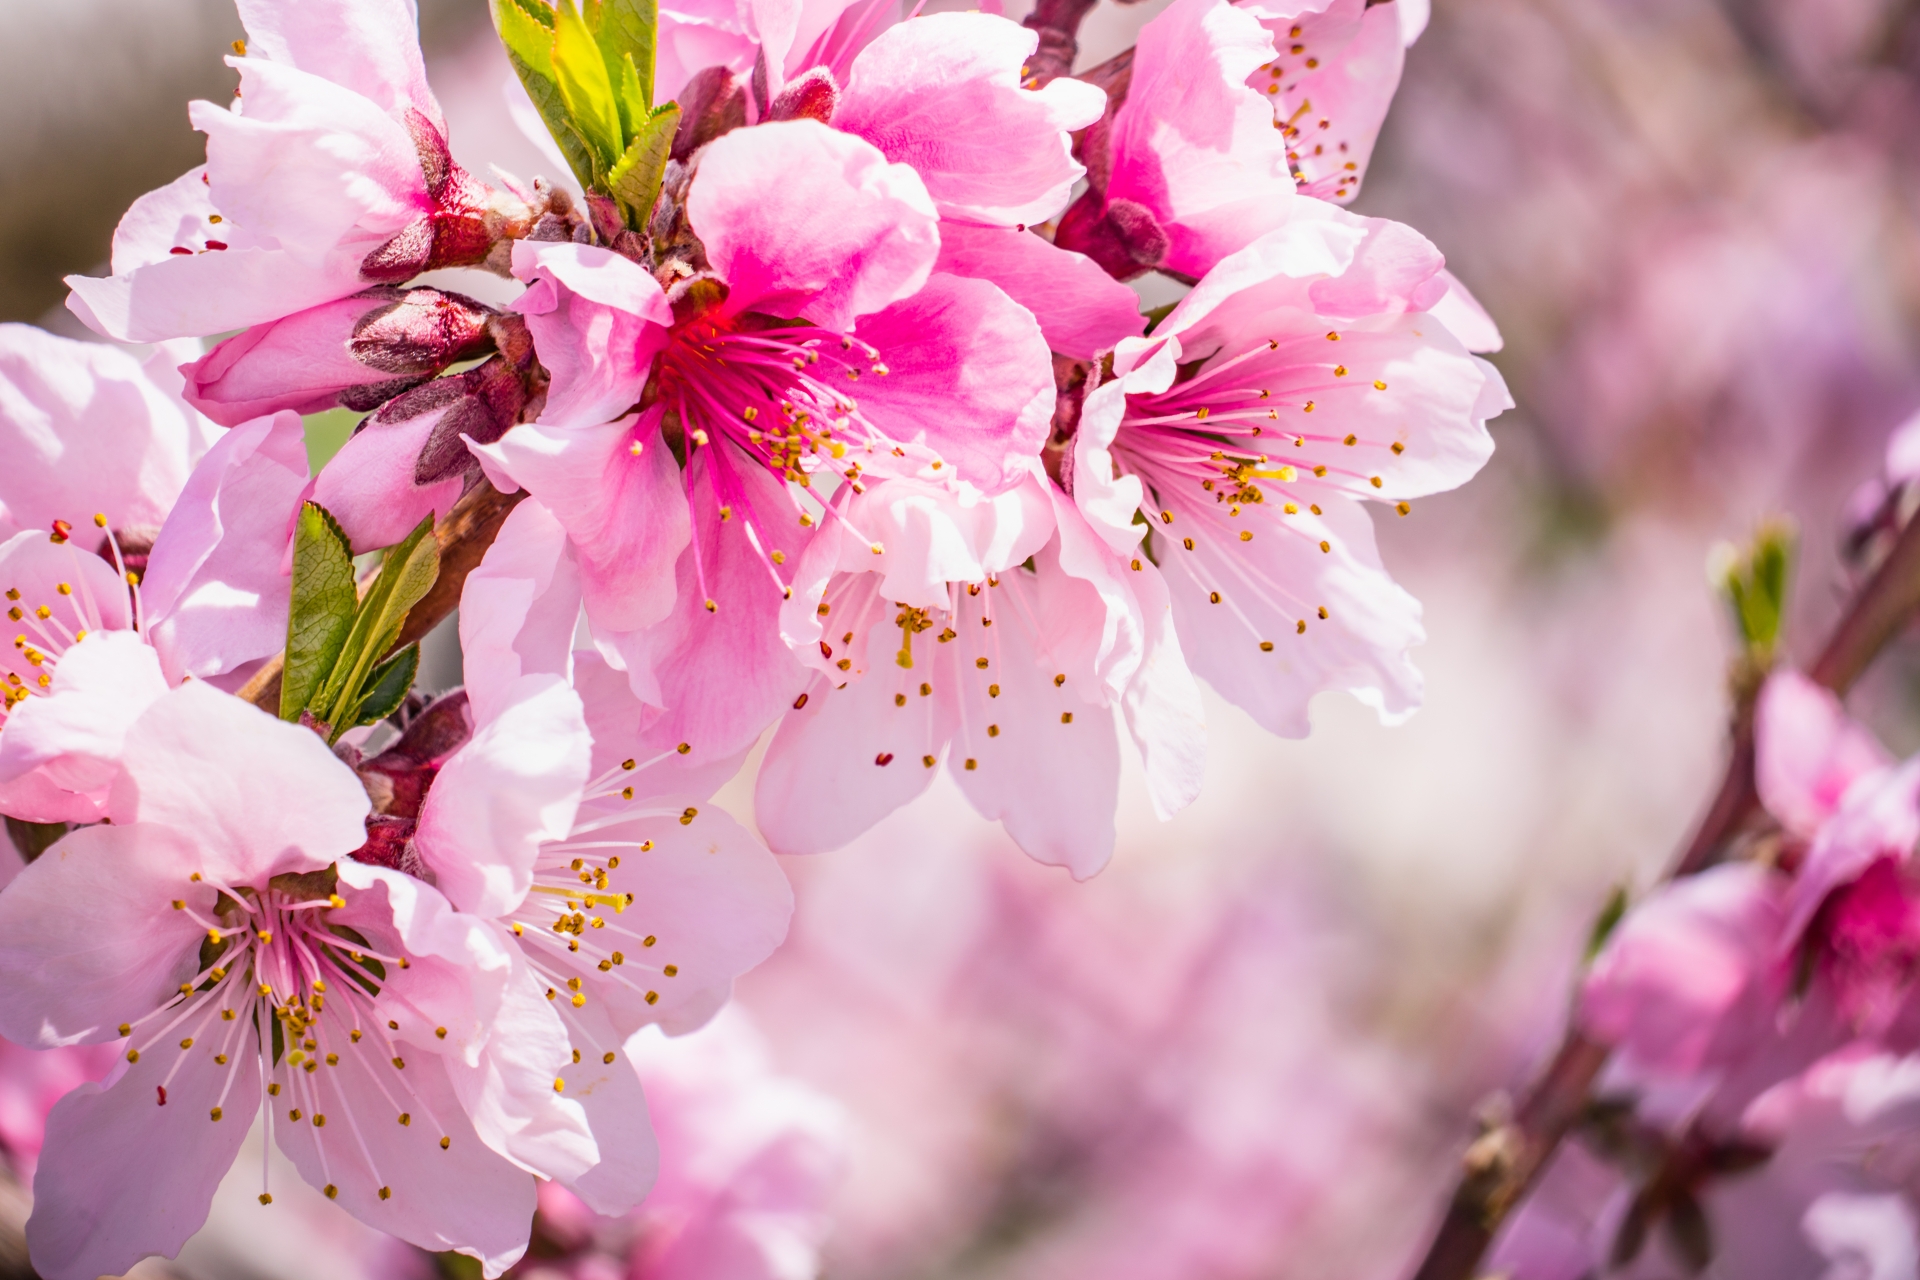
x: 1362, y: 647
x: 616, y: 488
x: 371, y: 47
x: 1192, y: 143
x: 76, y: 986
x: 259, y: 796
x: 311, y: 165
x: 846, y: 760
x: 508, y: 1093
x: 465, y: 1197
x: 368, y: 486
x: 75, y: 734
x: 215, y: 594
x: 514, y: 786
x: 85, y: 429
x: 801, y: 220
x: 1462, y: 313
x: 1809, y: 751
x: 609, y: 1095
x: 1879, y: 817
x: 100, y: 1203
x: 597, y: 320
x: 1690, y: 976
x: 969, y: 377
x: 1083, y: 311
x: 1340, y: 69
x: 726, y: 672
x: 519, y: 609
x: 1051, y: 772
x: 942, y: 93
x: 213, y: 291
x: 616, y: 718
x: 716, y: 901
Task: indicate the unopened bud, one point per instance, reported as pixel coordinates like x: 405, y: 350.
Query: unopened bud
x: 466, y: 221
x: 813, y: 97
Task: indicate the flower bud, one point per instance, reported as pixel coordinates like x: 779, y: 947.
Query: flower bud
x: 357, y: 352
x: 468, y: 218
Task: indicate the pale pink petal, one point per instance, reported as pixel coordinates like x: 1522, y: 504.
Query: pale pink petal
x: 509, y: 1092
x: 694, y: 35
x: 73, y: 736
x: 801, y: 220
x: 368, y: 486
x: 207, y: 291
x: 716, y: 903
x: 100, y: 1201
x: 260, y: 796
x: 215, y: 594
x: 1192, y: 143
x: 1039, y: 759
x: 464, y: 1197
x: 1082, y: 310
x: 1107, y: 496
x: 617, y: 717
x: 1462, y: 313
x: 1333, y: 80
x: 85, y: 429
x: 1268, y: 587
x: 968, y: 377
x: 37, y: 567
x: 943, y: 93
x: 725, y: 672
x: 845, y: 760
x: 69, y: 986
x: 1808, y: 752
x: 310, y: 166
x: 1690, y: 977
x: 616, y: 488
x: 519, y: 609
x: 371, y: 47
x: 1139, y: 651
x: 515, y: 785
x: 597, y: 321
x: 609, y: 1095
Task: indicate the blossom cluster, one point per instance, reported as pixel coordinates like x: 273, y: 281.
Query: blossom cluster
x: 824, y: 417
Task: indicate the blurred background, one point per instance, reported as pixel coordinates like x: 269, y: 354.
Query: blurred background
x: 1254, y: 1046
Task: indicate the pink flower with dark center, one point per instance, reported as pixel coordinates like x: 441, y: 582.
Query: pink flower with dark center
x: 247, y: 971
x: 1302, y: 376
x: 817, y: 347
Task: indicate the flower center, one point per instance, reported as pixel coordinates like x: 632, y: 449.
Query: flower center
x: 47, y: 628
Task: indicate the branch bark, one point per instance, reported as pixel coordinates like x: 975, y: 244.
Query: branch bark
x: 1501, y: 1168
x: 464, y: 537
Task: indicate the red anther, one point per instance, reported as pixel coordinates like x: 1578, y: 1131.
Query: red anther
x: 182, y: 249
x: 216, y: 244
x: 62, y: 530
x: 884, y: 758
x: 163, y: 1093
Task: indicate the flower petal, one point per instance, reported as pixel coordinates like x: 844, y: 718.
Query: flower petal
x: 597, y: 321
x: 1083, y: 311
x: 368, y: 486
x: 74, y: 736
x: 801, y: 220
x: 519, y: 609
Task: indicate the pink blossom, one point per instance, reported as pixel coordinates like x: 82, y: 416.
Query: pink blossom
x: 1808, y: 752
x: 88, y: 427
x: 776, y: 40
x: 91, y: 654
x: 946, y: 645
x: 212, y: 913
x: 1190, y: 167
x: 888, y: 372
x: 1318, y: 380
x: 335, y: 176
x: 1336, y: 67
x: 1692, y: 977
x: 31, y: 1082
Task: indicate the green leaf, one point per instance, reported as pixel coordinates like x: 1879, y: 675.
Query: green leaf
x: 1755, y: 580
x: 526, y: 29
x: 626, y: 31
x: 321, y: 614
x: 636, y: 103
x: 405, y: 576
x: 586, y: 89
x: 1604, y: 924
x: 387, y: 687
x: 636, y: 179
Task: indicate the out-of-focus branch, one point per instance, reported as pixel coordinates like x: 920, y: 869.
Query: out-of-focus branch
x: 464, y: 537
x: 1500, y: 1168
x: 1058, y: 22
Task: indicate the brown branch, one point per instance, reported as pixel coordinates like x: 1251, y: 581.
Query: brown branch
x: 1500, y: 1169
x: 1058, y: 22
x: 464, y: 537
